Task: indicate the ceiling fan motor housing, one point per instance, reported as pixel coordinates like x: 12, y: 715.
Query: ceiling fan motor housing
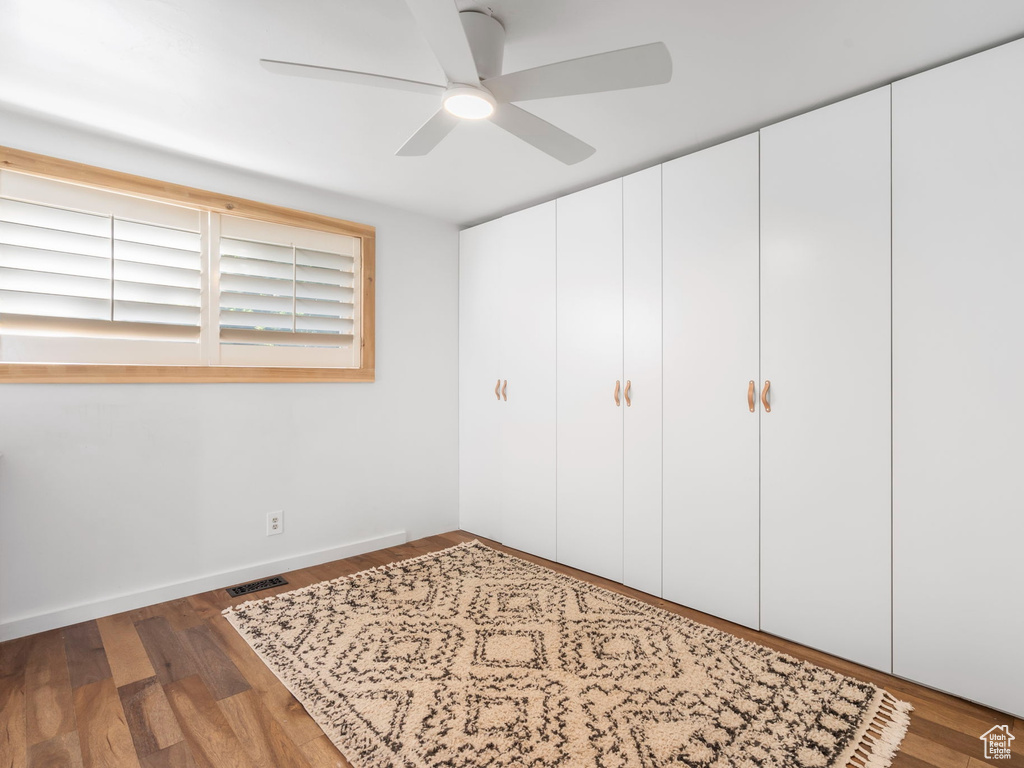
x: 486, y: 41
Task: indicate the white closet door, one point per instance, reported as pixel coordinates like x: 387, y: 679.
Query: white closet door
x: 825, y: 346
x: 480, y: 260
x: 958, y: 367
x: 589, y: 288
x: 641, y: 270
x: 711, y: 355
x: 528, y: 364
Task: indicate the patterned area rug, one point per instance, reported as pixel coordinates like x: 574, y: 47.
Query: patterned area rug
x: 472, y: 657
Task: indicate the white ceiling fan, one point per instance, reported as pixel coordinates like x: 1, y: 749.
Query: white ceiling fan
x: 469, y: 45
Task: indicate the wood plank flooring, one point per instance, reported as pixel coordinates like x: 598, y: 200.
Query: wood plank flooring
x: 174, y: 686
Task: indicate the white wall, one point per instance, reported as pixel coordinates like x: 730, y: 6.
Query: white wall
x: 120, y: 489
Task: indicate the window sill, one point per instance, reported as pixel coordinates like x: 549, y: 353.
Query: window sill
x: 42, y: 373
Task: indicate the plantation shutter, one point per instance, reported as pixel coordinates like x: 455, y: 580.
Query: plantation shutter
x: 287, y: 295
x: 88, y: 275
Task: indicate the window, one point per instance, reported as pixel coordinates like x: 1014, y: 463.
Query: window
x: 101, y: 284
x: 286, y: 295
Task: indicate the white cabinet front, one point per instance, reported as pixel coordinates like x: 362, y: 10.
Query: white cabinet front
x: 528, y: 365
x: 480, y: 380
x: 507, y: 380
x: 590, y: 386
x: 642, y: 417
x: 711, y: 380
x: 958, y: 364
x: 825, y: 347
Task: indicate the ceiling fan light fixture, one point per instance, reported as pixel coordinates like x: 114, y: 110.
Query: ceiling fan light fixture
x: 468, y: 102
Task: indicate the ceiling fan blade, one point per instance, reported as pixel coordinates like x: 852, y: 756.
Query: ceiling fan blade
x: 348, y: 76
x: 612, y: 71
x: 439, y: 23
x: 429, y: 135
x: 541, y: 134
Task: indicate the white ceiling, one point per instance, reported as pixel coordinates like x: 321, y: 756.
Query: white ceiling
x: 184, y: 75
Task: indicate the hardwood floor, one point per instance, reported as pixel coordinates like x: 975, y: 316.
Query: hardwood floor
x: 174, y: 686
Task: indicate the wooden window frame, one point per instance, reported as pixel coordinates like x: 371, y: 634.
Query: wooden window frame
x: 66, y: 170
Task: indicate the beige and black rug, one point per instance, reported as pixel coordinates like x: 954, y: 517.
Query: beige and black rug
x: 472, y: 657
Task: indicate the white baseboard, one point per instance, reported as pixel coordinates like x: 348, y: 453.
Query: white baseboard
x: 63, y: 617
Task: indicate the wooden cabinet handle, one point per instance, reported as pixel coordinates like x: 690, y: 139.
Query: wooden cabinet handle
x: 764, y: 396
x: 750, y: 395
x: 497, y: 392
x: 618, y: 387
x: 504, y: 390
x: 626, y: 393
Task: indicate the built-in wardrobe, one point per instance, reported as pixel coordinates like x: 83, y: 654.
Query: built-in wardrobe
x: 776, y: 380
x: 608, y: 394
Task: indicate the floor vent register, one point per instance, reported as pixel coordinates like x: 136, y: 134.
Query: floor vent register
x: 256, y: 586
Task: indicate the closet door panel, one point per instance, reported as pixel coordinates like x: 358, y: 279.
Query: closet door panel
x: 589, y: 438
x: 958, y: 364
x: 480, y: 260
x: 711, y: 355
x: 825, y: 329
x: 641, y: 270
x: 528, y: 364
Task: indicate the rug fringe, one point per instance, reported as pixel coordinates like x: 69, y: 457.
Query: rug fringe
x: 881, y: 736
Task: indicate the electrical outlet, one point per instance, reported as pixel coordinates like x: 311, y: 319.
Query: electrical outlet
x: 275, y: 523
